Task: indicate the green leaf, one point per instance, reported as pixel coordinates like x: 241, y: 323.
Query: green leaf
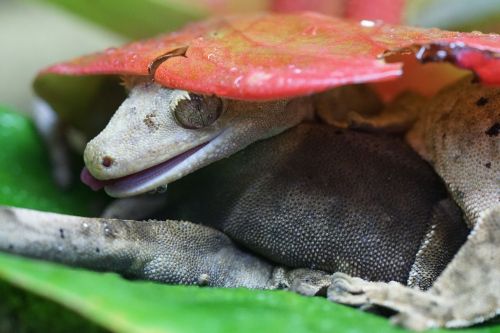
x: 25, y: 312
x: 135, y: 19
x: 134, y: 306
x: 147, y: 307
x: 464, y: 15
x: 25, y: 172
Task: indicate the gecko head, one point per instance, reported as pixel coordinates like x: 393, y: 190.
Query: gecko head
x: 159, y: 135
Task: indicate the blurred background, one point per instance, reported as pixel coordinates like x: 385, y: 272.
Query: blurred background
x: 34, y: 34
x: 37, y: 33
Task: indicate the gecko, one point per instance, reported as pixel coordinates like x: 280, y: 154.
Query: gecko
x: 457, y: 131
x: 466, y: 194
x: 158, y: 134
x: 284, y: 213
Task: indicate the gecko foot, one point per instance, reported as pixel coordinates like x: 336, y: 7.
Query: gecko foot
x: 308, y: 282
x: 347, y: 290
x: 417, y: 310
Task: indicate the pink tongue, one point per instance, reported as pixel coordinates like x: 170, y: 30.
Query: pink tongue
x: 141, y: 177
x: 92, y: 182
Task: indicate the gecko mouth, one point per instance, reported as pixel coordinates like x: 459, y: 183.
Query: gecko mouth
x: 139, y: 180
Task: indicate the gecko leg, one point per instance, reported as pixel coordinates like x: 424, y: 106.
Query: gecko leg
x: 165, y: 251
x: 462, y: 295
x: 51, y: 129
x: 175, y: 252
x: 397, y: 117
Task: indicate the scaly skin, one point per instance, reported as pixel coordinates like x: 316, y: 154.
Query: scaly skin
x: 458, y: 132
x: 290, y: 200
x: 144, y: 131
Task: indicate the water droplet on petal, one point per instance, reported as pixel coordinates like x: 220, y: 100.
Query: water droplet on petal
x: 367, y: 23
x: 312, y: 30
x: 441, y: 54
x: 133, y: 57
x: 457, y: 44
x: 237, y: 81
x: 110, y: 51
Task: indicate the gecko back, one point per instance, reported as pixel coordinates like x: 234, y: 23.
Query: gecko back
x: 328, y: 199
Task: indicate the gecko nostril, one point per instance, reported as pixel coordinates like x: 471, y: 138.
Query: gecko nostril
x: 107, y: 161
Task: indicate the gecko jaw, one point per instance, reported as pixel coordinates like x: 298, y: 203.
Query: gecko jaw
x: 140, y: 182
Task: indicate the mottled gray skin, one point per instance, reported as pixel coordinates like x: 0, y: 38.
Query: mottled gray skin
x: 458, y: 132
x: 318, y: 197
x: 165, y: 251
x: 313, y: 198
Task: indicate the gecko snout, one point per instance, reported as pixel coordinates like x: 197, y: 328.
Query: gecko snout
x: 100, y: 162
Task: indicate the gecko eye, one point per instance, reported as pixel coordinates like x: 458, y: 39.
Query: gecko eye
x: 198, y: 112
